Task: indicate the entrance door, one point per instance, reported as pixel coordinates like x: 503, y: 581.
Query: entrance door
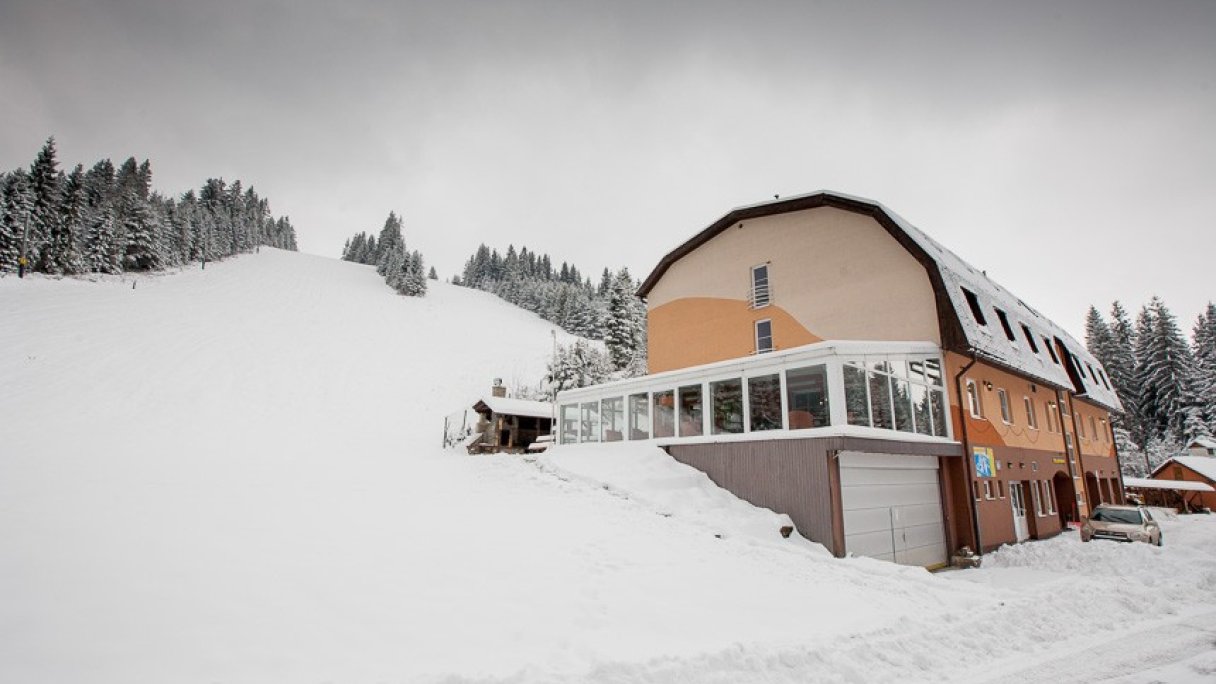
x: 1017, y: 499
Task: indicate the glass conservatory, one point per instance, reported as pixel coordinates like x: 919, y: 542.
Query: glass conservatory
x: 883, y: 387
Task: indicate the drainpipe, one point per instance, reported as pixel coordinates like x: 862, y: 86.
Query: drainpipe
x: 971, y: 474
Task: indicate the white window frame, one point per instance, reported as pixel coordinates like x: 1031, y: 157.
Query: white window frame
x: 756, y: 330
x: 1049, y: 496
x: 1032, y: 420
x: 762, y: 295
x: 975, y: 405
x: 1038, y: 499
x: 988, y: 490
x: 1006, y: 410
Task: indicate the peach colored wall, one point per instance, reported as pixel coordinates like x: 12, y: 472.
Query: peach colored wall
x: 838, y: 275
x: 696, y: 330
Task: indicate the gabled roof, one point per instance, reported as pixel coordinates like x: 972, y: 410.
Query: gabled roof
x: 1203, y: 442
x: 1204, y: 465
x: 515, y: 407
x: 1180, y: 485
x: 1076, y: 370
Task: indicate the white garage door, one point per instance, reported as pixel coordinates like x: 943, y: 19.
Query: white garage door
x: 892, y: 508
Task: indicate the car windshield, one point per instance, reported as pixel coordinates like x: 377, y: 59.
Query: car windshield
x: 1115, y: 515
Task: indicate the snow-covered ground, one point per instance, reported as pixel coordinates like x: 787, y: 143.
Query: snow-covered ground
x: 235, y: 476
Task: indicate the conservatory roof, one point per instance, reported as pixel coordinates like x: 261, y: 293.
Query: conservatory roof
x: 949, y: 275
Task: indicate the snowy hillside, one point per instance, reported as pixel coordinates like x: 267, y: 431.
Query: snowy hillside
x: 233, y: 475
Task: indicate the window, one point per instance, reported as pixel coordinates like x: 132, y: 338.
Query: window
x: 590, y: 431
x: 569, y: 423
x: 764, y: 336
x: 664, y: 414
x: 880, y: 396
x: 1063, y: 408
x: 726, y: 397
x: 1092, y: 374
x: 1030, y: 339
x: 612, y: 413
x: 1105, y: 382
x: 856, y: 399
x: 1105, y: 431
x: 1051, y: 350
x: 1093, y: 427
x: 806, y: 393
x: 988, y: 490
x: 639, y: 416
x: 764, y: 396
x: 1049, y: 497
x: 1031, y: 419
x: 1051, y: 417
x: 973, y: 400
x: 691, y: 424
x: 973, y: 303
x: 760, y: 289
x: 1005, y: 325
x: 1037, y: 498
x: 1006, y: 411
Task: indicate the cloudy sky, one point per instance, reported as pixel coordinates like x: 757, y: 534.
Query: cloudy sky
x: 1068, y: 148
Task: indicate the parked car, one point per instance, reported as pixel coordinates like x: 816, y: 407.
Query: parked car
x: 1121, y: 523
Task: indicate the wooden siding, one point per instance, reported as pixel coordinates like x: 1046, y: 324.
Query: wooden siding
x: 794, y: 477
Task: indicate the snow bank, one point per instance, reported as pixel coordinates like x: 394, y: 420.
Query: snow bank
x: 647, y: 475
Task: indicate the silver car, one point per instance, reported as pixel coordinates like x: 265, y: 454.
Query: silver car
x: 1121, y: 523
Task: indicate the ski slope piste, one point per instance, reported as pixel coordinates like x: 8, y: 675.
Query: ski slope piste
x: 235, y: 475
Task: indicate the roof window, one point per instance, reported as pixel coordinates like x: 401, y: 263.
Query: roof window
x: 1030, y: 339
x: 1005, y: 324
x: 974, y: 303
x: 1051, y: 350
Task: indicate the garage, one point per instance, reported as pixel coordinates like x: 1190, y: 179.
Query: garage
x: 892, y: 507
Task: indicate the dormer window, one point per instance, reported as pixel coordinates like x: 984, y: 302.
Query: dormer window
x: 760, y: 288
x: 973, y: 303
x: 1051, y: 350
x: 764, y: 336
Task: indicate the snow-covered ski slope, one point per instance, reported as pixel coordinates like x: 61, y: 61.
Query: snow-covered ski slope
x: 233, y: 475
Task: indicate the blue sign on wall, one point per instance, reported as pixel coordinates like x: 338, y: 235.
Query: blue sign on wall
x: 985, y: 462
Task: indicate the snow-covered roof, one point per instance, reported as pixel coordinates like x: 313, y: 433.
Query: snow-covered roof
x: 517, y: 407
x: 989, y: 340
x: 1181, y: 485
x: 1204, y: 442
x: 1204, y: 465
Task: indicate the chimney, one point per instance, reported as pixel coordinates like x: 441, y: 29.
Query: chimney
x: 498, y: 390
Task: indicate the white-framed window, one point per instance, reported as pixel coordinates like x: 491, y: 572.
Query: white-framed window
x: 1006, y: 410
x: 973, y: 400
x: 1052, y: 418
x: 988, y: 490
x: 1000, y: 488
x: 1093, y: 427
x: 1049, y: 497
x: 1038, y: 499
x: 1032, y: 419
x: 764, y: 336
x: 761, y: 294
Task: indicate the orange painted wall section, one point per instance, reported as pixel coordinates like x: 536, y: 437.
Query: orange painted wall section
x: 697, y: 330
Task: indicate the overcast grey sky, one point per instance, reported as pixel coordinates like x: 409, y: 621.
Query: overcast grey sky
x: 1065, y: 147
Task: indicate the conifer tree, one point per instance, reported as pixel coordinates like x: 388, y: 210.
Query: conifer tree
x: 1166, y: 374
x: 1204, y: 338
x: 46, y: 191
x: 18, y: 202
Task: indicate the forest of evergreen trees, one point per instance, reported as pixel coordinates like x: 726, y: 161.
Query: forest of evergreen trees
x: 609, y: 311
x: 109, y: 220
x: 1167, y: 383
x: 402, y: 269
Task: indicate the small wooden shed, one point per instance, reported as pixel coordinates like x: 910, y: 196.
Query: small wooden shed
x: 1197, y: 469
x: 510, y: 425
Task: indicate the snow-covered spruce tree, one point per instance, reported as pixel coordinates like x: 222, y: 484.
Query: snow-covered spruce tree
x: 1204, y: 338
x: 1166, y: 370
x: 63, y: 254
x: 18, y: 202
x: 46, y: 190
x: 622, y: 323
x: 390, y: 238
x: 432, y: 275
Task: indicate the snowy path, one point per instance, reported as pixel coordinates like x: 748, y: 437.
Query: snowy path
x: 233, y: 476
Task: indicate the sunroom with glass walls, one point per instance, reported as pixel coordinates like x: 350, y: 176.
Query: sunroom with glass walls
x: 884, y: 387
